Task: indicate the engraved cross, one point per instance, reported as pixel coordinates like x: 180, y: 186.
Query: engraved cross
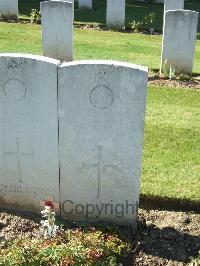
x: 19, y: 155
x: 100, y: 168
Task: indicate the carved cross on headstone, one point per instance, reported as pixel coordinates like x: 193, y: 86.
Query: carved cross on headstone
x: 100, y: 167
x: 19, y: 155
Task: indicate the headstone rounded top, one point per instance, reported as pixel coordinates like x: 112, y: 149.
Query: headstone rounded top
x: 56, y: 3
x: 106, y: 63
x: 181, y: 11
x: 30, y: 56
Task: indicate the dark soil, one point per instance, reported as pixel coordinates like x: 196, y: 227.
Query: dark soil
x: 167, y: 238
x: 174, y: 83
x: 163, y: 237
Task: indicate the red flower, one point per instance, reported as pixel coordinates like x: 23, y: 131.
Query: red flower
x: 49, y: 204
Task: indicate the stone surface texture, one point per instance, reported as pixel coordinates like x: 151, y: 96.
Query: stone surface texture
x: 9, y: 9
x: 173, y: 5
x: 29, y: 166
x: 57, y: 29
x: 101, y: 127
x: 179, y: 38
x: 115, y: 13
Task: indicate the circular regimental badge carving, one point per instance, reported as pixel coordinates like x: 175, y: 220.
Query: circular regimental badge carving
x: 14, y: 90
x: 101, y: 96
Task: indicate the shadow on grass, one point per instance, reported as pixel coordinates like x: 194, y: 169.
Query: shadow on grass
x: 169, y: 204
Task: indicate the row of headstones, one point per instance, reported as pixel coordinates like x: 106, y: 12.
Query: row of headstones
x: 57, y: 26
x: 115, y: 10
x: 179, y: 34
x: 73, y: 133
x: 179, y: 31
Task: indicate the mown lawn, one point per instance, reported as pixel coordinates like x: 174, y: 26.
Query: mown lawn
x: 172, y: 144
x: 91, y: 44
x: 171, y: 161
x: 134, y: 11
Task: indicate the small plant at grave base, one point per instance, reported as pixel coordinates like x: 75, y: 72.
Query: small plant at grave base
x: 80, y: 247
x: 48, y: 228
x: 169, y: 70
x: 145, y: 24
x: 172, y: 71
x: 35, y: 16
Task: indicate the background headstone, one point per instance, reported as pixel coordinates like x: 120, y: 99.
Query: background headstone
x: 101, y: 125
x: 9, y: 9
x: 85, y: 4
x: 29, y: 165
x: 173, y: 5
x: 161, y: 1
x: 115, y: 13
x: 179, y: 38
x: 57, y: 29
x: 73, y: 6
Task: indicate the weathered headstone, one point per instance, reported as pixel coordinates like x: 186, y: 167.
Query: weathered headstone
x: 9, y: 9
x: 29, y: 165
x: 173, y: 5
x: 115, y: 13
x: 85, y: 4
x: 57, y: 29
x: 101, y: 125
x: 179, y: 38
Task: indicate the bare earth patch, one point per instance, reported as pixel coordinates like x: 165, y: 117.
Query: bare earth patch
x: 163, y: 237
x: 167, y: 238
x: 193, y: 83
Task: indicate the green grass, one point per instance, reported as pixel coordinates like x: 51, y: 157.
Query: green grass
x: 171, y: 162
x: 171, y: 153
x: 134, y: 11
x: 91, y: 44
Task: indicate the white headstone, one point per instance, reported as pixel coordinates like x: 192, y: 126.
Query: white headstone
x: 57, y: 29
x: 115, y: 13
x: 101, y: 125
x: 179, y: 38
x: 29, y: 165
x: 9, y: 9
x: 173, y: 5
x: 85, y: 4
